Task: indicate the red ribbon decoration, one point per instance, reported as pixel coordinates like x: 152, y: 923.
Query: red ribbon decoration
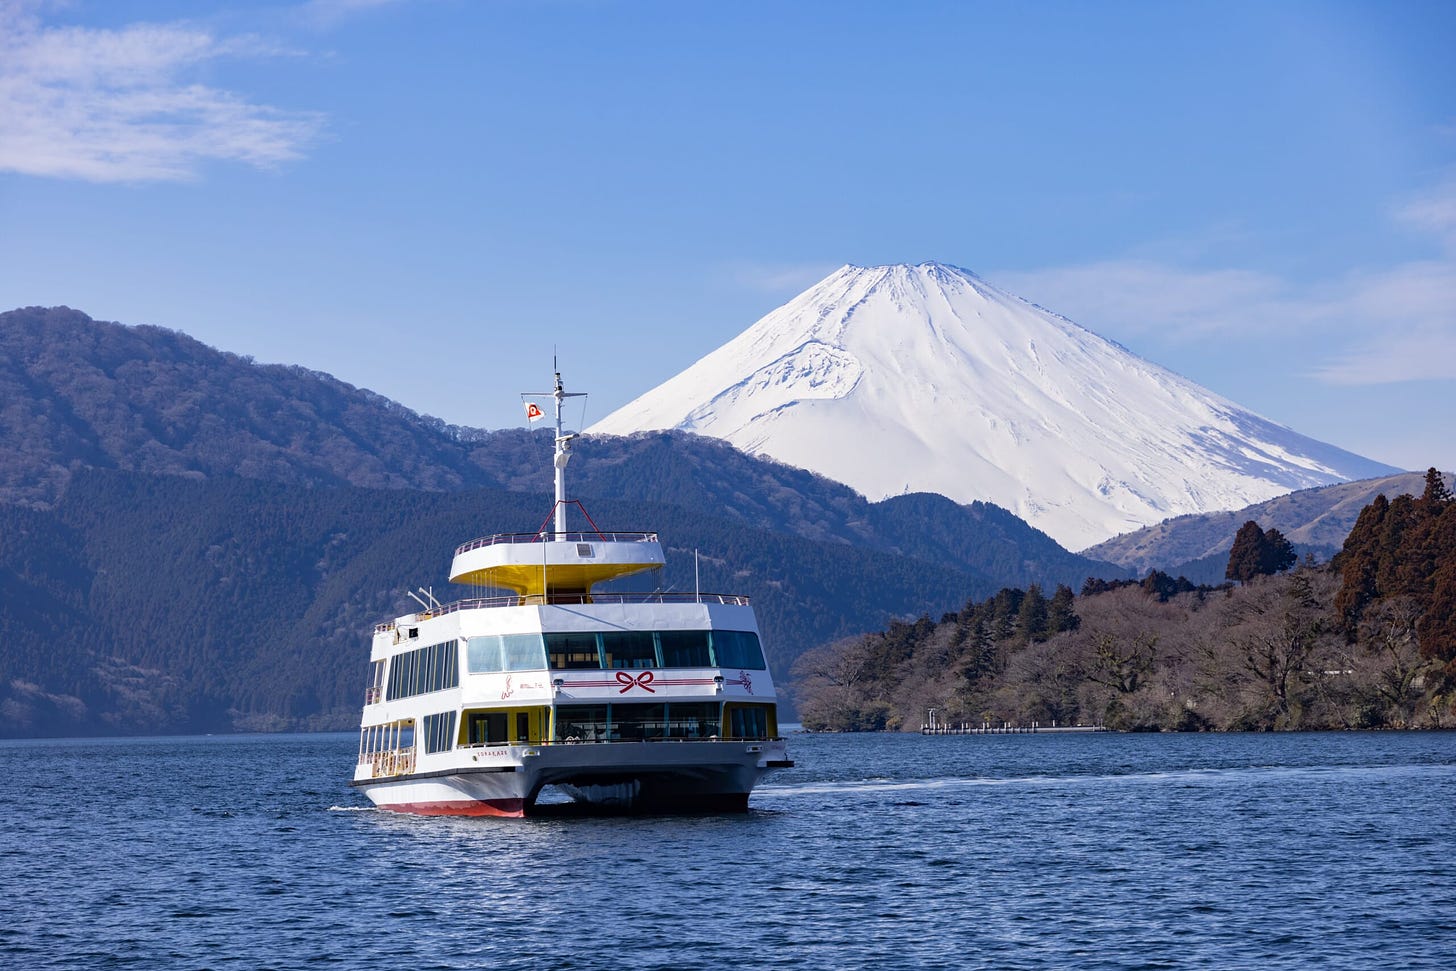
x: 628, y: 682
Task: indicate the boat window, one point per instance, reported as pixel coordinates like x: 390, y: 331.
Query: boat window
x: 483, y: 654
x: 486, y: 728
x: 629, y: 649
x: 685, y: 649
x: 693, y: 719
x: 737, y: 649
x: 586, y: 723
x: 748, y: 721
x: 492, y: 653
x: 439, y: 732
x: 573, y: 650
x: 424, y: 669
x: 636, y: 722
x: 523, y: 652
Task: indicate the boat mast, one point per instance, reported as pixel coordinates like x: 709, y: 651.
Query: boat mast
x: 562, y: 454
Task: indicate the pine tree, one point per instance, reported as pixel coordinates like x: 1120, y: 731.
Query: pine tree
x: 1245, y: 559
x: 1062, y: 611
x: 1436, y: 494
x: 1032, y: 618
x: 1357, y: 561
x: 1278, y: 554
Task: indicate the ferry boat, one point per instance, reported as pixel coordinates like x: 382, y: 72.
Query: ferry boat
x: 642, y: 702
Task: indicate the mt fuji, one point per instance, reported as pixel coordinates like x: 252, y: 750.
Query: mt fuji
x: 896, y: 379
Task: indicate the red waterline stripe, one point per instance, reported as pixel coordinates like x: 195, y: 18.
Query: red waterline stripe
x: 461, y: 807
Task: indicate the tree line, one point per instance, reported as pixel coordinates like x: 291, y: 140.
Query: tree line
x: 1367, y: 640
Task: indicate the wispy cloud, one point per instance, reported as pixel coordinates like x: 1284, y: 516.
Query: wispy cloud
x: 119, y: 105
x: 1433, y: 212
x: 1375, y: 326
x: 778, y: 278
x: 329, y: 13
x: 1131, y: 297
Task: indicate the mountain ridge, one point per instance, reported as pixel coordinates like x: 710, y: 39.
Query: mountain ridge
x: 1316, y: 521
x: 898, y: 379
x: 144, y: 603
x: 83, y: 393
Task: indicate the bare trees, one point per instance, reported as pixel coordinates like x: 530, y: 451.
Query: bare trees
x: 1367, y: 641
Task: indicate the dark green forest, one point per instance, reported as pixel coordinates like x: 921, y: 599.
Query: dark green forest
x: 157, y: 604
x: 1367, y: 640
x: 192, y: 541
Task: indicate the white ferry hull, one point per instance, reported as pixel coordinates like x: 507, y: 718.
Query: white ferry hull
x: 646, y: 777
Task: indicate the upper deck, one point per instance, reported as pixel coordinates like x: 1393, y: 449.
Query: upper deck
x: 551, y: 564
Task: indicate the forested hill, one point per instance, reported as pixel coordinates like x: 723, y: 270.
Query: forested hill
x: 154, y: 604
x: 84, y: 393
x: 1316, y: 521
x: 1366, y: 641
x: 80, y: 393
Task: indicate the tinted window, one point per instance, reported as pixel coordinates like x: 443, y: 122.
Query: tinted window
x: 638, y: 721
x: 629, y: 649
x: 737, y: 649
x: 685, y: 649
x: 572, y: 650
x: 693, y: 719
x: 587, y: 723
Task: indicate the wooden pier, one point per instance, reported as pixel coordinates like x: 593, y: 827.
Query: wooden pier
x: 936, y: 726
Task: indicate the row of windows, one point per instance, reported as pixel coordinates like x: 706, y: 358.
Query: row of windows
x: 615, y: 723
x: 615, y: 649
x: 424, y: 669
x: 584, y: 723
x: 439, y: 732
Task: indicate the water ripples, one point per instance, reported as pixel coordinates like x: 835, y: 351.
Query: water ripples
x: 1029, y: 852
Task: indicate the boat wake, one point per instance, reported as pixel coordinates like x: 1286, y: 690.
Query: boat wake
x: 1188, y: 777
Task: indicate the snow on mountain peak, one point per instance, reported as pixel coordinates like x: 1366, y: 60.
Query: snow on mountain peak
x: 926, y: 378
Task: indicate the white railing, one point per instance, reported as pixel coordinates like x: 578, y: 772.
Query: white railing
x: 590, y: 537
x: 395, y: 761
x: 578, y: 599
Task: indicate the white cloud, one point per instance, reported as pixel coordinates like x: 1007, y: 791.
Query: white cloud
x: 117, y: 105
x: 1376, y: 326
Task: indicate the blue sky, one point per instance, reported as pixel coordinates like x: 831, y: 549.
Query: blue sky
x: 426, y: 197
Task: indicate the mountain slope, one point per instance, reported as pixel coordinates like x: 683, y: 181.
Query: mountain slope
x: 80, y: 393
x: 154, y: 604
x: 77, y: 393
x: 898, y: 379
x: 1315, y: 520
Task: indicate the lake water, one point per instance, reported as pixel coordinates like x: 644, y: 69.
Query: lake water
x: 880, y: 851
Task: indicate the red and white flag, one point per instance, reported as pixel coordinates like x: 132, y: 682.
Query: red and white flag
x: 533, y: 411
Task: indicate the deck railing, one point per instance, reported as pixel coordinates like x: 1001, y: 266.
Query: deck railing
x: 591, y: 537
x: 573, y: 600
x: 394, y: 761
x: 623, y: 741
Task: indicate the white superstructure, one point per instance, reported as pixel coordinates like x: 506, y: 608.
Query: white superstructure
x: 648, y: 701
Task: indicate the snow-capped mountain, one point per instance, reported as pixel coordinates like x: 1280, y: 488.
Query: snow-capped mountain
x: 897, y: 379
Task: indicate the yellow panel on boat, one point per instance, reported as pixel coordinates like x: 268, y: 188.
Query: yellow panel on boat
x: 530, y: 580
